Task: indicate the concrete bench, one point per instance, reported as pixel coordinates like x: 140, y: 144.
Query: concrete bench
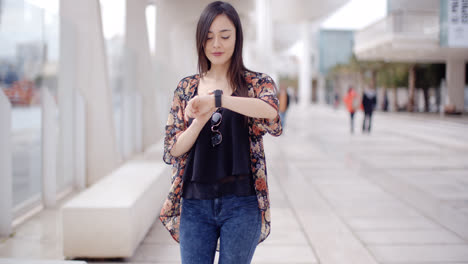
x: 111, y: 218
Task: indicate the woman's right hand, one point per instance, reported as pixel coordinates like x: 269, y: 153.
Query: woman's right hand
x: 200, y: 105
x: 203, y: 118
x: 198, y: 109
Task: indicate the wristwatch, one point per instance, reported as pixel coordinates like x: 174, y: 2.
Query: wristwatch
x: 217, y: 95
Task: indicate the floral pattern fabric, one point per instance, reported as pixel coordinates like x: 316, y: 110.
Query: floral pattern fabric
x: 260, y: 86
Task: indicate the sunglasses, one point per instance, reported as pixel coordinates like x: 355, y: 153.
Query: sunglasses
x: 216, y: 137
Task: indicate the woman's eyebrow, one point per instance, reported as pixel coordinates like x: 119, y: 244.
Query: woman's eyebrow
x: 223, y: 30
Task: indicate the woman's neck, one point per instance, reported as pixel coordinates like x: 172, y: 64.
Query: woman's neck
x: 218, y: 72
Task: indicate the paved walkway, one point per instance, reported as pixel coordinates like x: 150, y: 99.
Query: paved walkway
x: 398, y: 195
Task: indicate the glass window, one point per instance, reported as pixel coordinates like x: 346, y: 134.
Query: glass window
x: 28, y: 62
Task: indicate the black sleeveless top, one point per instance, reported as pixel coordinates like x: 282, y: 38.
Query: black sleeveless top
x: 213, y: 172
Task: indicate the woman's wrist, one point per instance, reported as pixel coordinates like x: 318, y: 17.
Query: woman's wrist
x: 197, y: 124
x: 225, y: 101
x: 218, y: 94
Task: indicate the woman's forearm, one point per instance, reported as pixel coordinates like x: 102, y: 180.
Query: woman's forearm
x: 186, y: 139
x: 252, y: 107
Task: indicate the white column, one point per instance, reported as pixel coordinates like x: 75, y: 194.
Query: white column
x: 264, y: 49
x: 164, y: 71
x: 67, y: 83
x: 80, y: 141
x: 321, y: 89
x: 305, y: 80
x: 84, y: 63
x: 455, y: 74
x: 126, y: 125
x: 141, y: 77
x: 314, y: 53
x: 132, y: 141
x: 6, y: 185
x: 138, y: 101
x: 49, y: 149
x: 176, y: 55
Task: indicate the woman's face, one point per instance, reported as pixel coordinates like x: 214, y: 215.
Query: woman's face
x: 221, y: 41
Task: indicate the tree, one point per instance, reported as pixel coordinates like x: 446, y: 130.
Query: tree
x: 427, y: 76
x: 391, y: 76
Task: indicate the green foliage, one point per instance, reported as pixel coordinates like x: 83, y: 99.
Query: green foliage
x: 288, y: 82
x: 386, y: 74
x: 393, y: 75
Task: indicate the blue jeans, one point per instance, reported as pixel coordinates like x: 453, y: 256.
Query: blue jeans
x: 236, y: 221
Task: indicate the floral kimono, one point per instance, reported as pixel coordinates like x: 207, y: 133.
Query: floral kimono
x: 260, y: 86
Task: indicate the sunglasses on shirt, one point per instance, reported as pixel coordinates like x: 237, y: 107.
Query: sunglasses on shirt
x: 216, y: 136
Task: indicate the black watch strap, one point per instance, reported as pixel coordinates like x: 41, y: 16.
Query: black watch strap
x: 217, y: 95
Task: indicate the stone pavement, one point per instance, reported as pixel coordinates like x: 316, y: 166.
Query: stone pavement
x: 397, y: 195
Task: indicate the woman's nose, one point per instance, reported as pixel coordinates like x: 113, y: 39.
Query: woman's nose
x: 216, y: 42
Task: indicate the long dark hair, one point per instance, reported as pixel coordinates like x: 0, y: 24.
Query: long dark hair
x: 236, y: 68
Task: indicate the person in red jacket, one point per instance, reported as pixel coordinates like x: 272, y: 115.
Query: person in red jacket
x: 352, y: 103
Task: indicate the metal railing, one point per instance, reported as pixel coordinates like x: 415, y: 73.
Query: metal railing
x: 401, y: 24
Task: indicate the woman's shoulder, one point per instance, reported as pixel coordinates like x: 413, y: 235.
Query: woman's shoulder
x: 255, y: 77
x: 187, y: 83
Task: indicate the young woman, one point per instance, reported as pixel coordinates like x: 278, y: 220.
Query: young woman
x: 214, y: 142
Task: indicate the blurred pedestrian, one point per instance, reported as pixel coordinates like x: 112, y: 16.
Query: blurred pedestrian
x: 214, y: 142
x: 336, y: 102
x: 11, y: 76
x: 385, y: 102
x: 369, y: 101
x: 352, y: 104
x: 284, y: 100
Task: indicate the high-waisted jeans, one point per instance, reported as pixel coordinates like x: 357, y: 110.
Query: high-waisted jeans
x: 236, y: 221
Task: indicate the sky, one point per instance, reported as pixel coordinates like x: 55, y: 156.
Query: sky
x: 356, y: 15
